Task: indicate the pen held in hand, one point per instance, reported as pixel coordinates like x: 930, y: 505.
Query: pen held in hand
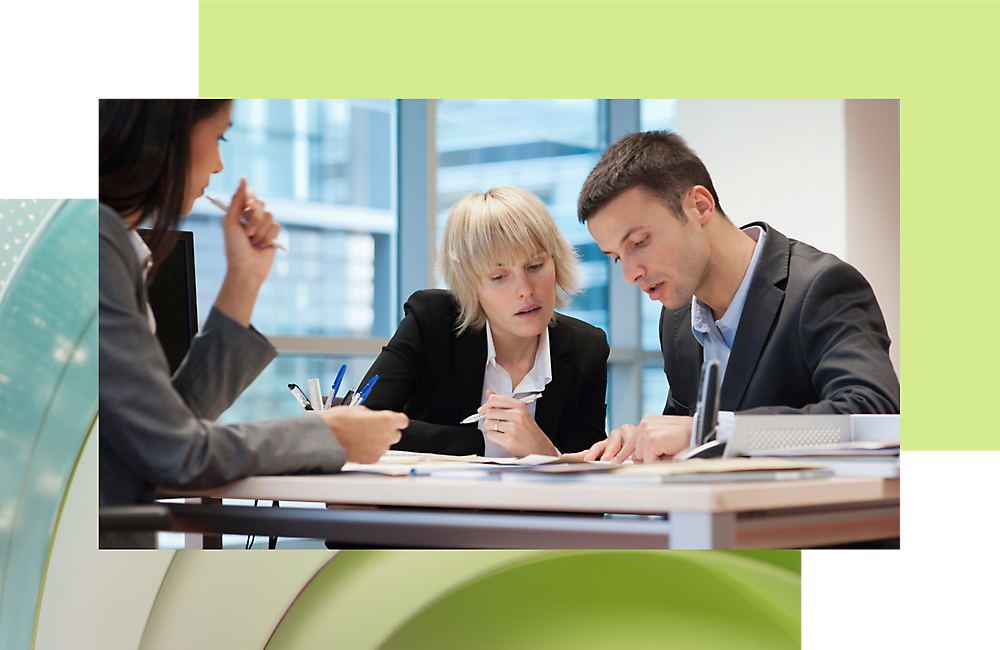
x: 217, y: 202
x: 479, y: 416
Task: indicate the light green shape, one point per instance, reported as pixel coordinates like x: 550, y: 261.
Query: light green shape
x: 227, y: 599
x: 938, y: 58
x: 87, y: 592
x: 458, y: 599
x: 48, y: 400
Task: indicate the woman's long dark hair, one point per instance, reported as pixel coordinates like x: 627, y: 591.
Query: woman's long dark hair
x: 145, y: 147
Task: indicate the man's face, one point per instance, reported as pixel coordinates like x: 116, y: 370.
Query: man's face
x: 668, y: 258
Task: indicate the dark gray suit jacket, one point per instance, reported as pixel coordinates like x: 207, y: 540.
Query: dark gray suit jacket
x: 436, y: 378
x: 811, y: 340
x: 158, y: 430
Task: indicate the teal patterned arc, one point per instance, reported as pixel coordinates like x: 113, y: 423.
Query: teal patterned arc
x: 48, y: 399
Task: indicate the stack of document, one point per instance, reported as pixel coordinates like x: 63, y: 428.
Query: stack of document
x: 554, y: 469
x: 853, y: 458
x: 716, y: 470
x: 406, y: 463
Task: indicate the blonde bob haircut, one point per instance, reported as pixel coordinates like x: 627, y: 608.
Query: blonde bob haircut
x: 505, y: 226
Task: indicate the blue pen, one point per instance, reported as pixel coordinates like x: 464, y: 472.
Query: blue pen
x: 336, y: 384
x: 367, y: 389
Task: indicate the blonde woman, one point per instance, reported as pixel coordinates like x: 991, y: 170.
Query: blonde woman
x: 495, y: 338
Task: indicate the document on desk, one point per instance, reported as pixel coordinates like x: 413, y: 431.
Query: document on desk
x: 854, y: 459
x: 693, y: 471
x: 406, y: 463
x: 853, y: 448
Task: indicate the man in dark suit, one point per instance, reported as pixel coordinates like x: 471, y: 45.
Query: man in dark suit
x: 795, y: 330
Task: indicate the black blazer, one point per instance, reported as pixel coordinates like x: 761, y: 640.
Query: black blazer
x: 811, y: 340
x: 436, y: 378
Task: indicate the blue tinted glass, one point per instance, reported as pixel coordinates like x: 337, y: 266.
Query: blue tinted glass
x: 545, y: 146
x: 654, y: 389
x: 268, y: 397
x: 326, y: 171
x: 655, y: 115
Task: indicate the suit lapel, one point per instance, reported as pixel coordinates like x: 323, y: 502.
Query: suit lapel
x: 683, y: 356
x: 470, y: 359
x: 759, y: 312
x: 557, y: 391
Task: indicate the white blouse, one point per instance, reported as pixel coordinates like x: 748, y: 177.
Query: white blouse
x: 497, y: 380
x: 145, y: 263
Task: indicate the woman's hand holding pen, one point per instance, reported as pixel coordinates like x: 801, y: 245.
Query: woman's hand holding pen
x: 365, y: 435
x: 248, y: 230
x: 509, y: 424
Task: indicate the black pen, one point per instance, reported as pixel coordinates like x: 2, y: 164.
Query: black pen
x: 300, y: 396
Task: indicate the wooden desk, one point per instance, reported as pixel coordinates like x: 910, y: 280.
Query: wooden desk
x: 447, y: 513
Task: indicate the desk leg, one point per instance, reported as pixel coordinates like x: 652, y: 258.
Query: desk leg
x: 702, y: 530
x: 211, y: 541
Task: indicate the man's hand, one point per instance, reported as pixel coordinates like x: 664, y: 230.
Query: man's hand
x: 365, y: 435
x: 608, y: 448
x: 658, y: 437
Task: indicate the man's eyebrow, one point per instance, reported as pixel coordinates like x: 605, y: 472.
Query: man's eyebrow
x: 629, y: 233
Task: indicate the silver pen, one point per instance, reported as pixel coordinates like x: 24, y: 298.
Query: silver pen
x: 479, y: 416
x: 222, y: 206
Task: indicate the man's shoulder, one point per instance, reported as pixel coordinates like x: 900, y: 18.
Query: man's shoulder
x: 804, y: 260
x: 807, y: 262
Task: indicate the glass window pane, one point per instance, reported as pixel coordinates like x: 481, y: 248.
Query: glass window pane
x: 326, y: 170
x: 654, y: 389
x: 268, y: 397
x: 655, y: 115
x: 545, y: 146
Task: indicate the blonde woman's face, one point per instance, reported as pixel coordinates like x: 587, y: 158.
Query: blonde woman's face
x: 519, y: 298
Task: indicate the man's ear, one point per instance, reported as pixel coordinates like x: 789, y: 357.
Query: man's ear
x: 700, y: 201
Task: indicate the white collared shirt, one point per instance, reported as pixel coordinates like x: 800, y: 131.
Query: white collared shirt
x: 497, y: 380
x: 145, y: 258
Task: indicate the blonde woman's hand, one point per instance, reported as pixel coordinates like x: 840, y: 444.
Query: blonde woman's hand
x: 509, y: 424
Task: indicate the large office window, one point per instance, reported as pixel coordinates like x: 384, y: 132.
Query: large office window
x: 546, y: 146
x: 332, y: 173
x: 326, y: 170
x: 654, y: 115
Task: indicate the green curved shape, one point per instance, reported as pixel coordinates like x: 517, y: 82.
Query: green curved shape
x: 545, y: 599
x: 642, y: 599
x: 48, y: 399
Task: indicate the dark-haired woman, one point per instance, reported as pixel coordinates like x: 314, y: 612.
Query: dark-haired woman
x: 156, y: 158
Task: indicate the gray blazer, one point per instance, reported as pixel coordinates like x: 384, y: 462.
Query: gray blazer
x: 811, y: 340
x: 158, y: 430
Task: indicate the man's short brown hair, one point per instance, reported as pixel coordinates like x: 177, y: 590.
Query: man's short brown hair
x: 658, y: 161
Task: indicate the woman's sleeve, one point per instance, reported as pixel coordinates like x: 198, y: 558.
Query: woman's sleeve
x: 402, y: 369
x: 150, y: 427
